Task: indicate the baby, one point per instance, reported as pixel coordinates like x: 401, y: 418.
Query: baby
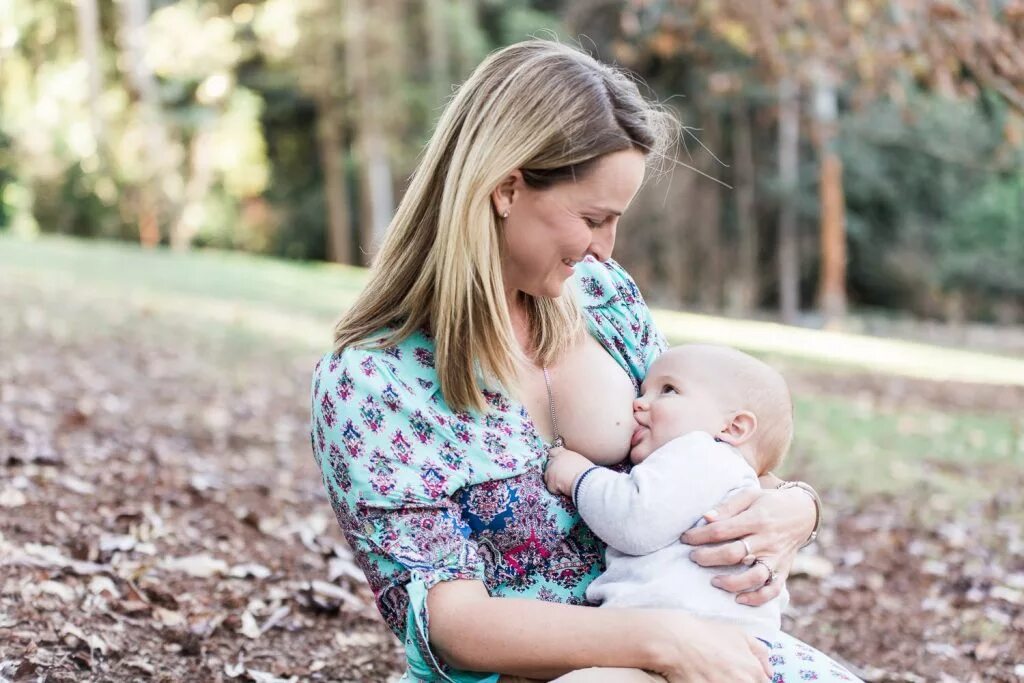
x: 710, y: 420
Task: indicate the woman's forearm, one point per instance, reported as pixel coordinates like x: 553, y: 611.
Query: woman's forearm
x: 537, y: 639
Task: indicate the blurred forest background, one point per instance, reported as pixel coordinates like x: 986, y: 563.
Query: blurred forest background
x: 161, y: 516
x: 873, y: 149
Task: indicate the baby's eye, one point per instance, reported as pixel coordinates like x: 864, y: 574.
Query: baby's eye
x: 669, y: 389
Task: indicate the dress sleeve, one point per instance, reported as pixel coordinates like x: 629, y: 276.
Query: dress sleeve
x: 619, y: 316
x: 390, y: 465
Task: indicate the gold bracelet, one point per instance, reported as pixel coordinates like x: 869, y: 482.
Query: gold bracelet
x: 809, y: 490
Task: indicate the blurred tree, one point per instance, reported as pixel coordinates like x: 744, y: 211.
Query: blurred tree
x: 745, y: 290
x: 201, y: 122
x: 323, y: 79
x: 789, y: 180
x: 89, y: 44
x: 371, y: 66
x: 147, y: 115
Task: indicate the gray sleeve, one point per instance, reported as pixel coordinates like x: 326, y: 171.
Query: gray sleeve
x: 651, y: 507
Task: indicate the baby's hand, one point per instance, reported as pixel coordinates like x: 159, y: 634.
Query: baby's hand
x: 563, y: 468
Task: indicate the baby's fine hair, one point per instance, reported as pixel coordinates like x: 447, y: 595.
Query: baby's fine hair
x: 759, y: 388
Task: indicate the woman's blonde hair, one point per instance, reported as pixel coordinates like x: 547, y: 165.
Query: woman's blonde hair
x: 546, y: 109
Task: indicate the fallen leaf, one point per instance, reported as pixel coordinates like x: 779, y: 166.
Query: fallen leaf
x: 249, y: 627
x: 251, y: 569
x: 11, y: 498
x: 168, y: 617
x: 61, y: 590
x: 199, y: 566
x: 1010, y: 595
x: 266, y: 677
x: 274, y: 619
x: 233, y: 670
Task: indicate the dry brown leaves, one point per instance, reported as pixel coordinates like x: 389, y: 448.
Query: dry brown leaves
x: 161, y: 518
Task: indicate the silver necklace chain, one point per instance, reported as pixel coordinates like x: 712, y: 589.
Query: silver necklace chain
x: 558, y: 442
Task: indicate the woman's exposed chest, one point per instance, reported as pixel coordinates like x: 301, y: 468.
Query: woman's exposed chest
x: 593, y: 399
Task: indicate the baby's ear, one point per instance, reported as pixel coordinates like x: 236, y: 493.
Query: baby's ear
x: 740, y: 428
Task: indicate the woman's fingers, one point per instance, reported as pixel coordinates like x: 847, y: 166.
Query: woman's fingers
x: 760, y: 596
x: 731, y: 507
x: 762, y: 653
x: 735, y: 552
x: 772, y: 590
x: 725, y: 530
x: 751, y: 579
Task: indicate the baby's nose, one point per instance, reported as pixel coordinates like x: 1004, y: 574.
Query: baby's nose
x: 638, y: 405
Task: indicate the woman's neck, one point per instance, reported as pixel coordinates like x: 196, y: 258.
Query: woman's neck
x: 520, y: 318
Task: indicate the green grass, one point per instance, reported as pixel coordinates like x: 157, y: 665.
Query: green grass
x: 240, y: 300
x: 869, y: 447
x: 294, y: 300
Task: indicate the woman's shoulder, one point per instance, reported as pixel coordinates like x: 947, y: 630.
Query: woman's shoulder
x: 605, y: 283
x: 618, y: 316
x: 406, y: 366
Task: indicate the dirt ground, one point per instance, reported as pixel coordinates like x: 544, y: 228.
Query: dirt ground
x: 161, y: 519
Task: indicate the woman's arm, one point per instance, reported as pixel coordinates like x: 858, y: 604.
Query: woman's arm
x: 538, y: 639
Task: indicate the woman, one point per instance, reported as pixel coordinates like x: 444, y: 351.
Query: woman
x: 494, y: 323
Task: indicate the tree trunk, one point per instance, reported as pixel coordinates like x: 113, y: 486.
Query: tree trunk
x: 143, y: 87
x: 89, y: 44
x: 675, y: 239
x: 332, y: 159
x: 789, y: 159
x: 376, y: 199
x: 197, y: 187
x: 832, y: 286
x: 708, y: 211
x: 465, y: 59
x: 832, y: 280
x: 745, y: 285
x: 435, y: 27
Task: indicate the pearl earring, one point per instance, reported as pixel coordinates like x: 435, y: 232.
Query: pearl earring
x: 505, y: 215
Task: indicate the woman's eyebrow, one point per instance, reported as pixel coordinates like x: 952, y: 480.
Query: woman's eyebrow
x: 602, y: 209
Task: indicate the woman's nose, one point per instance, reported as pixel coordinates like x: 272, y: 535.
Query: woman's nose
x: 603, y: 243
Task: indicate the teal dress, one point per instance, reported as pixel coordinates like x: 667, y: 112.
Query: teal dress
x: 425, y: 494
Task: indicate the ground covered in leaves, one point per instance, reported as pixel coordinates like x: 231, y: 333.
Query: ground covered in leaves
x: 161, y: 518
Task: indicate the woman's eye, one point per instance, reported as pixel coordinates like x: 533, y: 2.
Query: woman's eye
x: 592, y: 223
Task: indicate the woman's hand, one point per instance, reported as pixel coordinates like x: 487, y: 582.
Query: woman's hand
x: 773, y: 524
x: 562, y: 469
x: 699, y: 650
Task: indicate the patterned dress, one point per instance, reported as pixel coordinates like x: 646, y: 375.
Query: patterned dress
x: 424, y: 494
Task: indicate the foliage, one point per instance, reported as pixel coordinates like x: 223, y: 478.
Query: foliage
x: 228, y: 150
x: 929, y: 206
x: 982, y: 248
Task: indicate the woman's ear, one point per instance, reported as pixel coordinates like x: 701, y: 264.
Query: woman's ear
x: 507, y: 191
x: 740, y: 428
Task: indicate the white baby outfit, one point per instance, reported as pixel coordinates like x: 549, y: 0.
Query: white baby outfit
x: 642, y: 514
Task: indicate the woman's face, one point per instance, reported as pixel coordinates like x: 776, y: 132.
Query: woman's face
x: 548, y: 231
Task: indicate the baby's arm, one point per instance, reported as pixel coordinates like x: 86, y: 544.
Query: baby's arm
x: 649, y: 508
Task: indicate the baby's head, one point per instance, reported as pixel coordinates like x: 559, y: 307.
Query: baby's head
x: 718, y: 390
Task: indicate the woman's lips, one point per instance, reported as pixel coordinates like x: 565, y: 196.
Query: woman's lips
x: 638, y: 435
